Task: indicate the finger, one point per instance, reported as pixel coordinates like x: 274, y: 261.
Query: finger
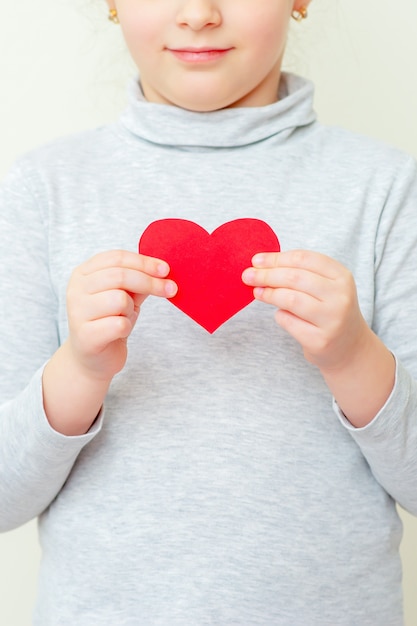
x: 289, y: 278
x: 105, y: 304
x: 305, y: 333
x: 301, y: 305
x: 128, y: 260
x: 130, y: 280
x: 98, y: 334
x: 302, y: 259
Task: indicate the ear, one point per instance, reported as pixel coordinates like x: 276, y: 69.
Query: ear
x: 300, y: 4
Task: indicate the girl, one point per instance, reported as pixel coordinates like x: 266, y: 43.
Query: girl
x: 247, y: 476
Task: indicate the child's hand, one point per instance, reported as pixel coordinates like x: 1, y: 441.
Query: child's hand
x: 316, y: 300
x: 104, y: 297
x: 318, y: 305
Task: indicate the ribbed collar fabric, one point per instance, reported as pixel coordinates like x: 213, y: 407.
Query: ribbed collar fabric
x: 172, y: 126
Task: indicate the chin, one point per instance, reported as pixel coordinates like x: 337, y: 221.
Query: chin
x: 203, y: 105
x: 202, y: 96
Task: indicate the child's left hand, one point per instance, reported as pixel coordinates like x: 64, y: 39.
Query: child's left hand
x: 316, y: 300
x: 318, y: 305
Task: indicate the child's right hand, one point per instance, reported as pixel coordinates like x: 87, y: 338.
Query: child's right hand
x: 104, y: 297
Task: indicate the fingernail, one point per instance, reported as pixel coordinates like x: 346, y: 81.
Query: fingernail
x: 163, y: 269
x: 258, y: 259
x: 170, y: 289
x: 258, y: 291
x: 248, y: 275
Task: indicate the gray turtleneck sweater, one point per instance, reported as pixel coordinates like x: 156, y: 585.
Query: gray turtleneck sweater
x: 220, y: 485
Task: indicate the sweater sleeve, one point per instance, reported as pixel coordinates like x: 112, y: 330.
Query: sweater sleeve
x: 389, y: 442
x: 34, y: 459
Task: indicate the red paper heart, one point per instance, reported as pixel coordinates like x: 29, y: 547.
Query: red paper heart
x: 208, y: 268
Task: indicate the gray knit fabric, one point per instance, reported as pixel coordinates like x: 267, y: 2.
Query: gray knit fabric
x: 220, y: 486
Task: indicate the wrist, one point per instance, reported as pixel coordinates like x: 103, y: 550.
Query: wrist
x: 72, y: 394
x: 362, y: 384
x: 85, y: 369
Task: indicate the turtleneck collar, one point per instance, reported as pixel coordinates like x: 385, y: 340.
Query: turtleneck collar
x: 228, y: 128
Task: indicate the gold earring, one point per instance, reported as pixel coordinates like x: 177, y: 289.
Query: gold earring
x: 113, y: 16
x: 300, y: 15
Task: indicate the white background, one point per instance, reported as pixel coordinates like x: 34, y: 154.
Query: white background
x: 63, y: 68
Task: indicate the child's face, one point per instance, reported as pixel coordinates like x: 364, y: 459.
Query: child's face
x: 205, y: 55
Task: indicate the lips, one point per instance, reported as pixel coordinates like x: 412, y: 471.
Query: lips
x: 199, y: 55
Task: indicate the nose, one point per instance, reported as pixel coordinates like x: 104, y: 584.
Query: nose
x: 199, y: 14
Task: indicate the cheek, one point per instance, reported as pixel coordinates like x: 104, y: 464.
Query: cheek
x: 271, y: 37
x: 141, y: 34
x: 264, y: 36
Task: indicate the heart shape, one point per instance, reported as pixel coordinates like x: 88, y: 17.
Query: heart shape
x: 208, y: 267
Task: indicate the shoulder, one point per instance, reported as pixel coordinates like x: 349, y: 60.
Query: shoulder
x: 349, y: 161
x: 60, y: 166
x: 354, y: 150
x: 69, y: 152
